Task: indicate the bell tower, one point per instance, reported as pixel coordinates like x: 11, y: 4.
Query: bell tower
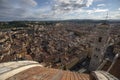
x: 100, y: 45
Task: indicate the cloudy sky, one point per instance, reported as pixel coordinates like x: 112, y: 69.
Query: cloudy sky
x: 58, y: 9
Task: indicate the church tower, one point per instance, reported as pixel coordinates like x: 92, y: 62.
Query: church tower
x: 100, y: 45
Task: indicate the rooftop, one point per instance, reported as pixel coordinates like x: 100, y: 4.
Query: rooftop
x: 30, y: 70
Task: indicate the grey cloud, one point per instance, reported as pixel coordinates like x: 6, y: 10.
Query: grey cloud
x: 4, y: 4
x: 11, y: 9
x: 70, y: 5
x: 27, y: 3
x: 117, y: 16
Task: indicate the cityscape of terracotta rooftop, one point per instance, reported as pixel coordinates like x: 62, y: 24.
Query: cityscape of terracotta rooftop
x: 60, y: 46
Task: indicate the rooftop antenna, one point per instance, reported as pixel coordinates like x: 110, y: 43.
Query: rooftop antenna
x: 107, y: 16
x: 105, y: 20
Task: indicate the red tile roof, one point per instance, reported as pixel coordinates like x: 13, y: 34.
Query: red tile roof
x: 31, y: 70
x: 38, y: 73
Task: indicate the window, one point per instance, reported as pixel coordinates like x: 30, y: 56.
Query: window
x: 100, y: 39
x: 95, y: 56
x: 97, y: 49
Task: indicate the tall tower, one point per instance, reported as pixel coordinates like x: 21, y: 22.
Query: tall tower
x: 100, y: 45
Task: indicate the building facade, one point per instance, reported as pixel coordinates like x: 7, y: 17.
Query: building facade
x: 100, y: 45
